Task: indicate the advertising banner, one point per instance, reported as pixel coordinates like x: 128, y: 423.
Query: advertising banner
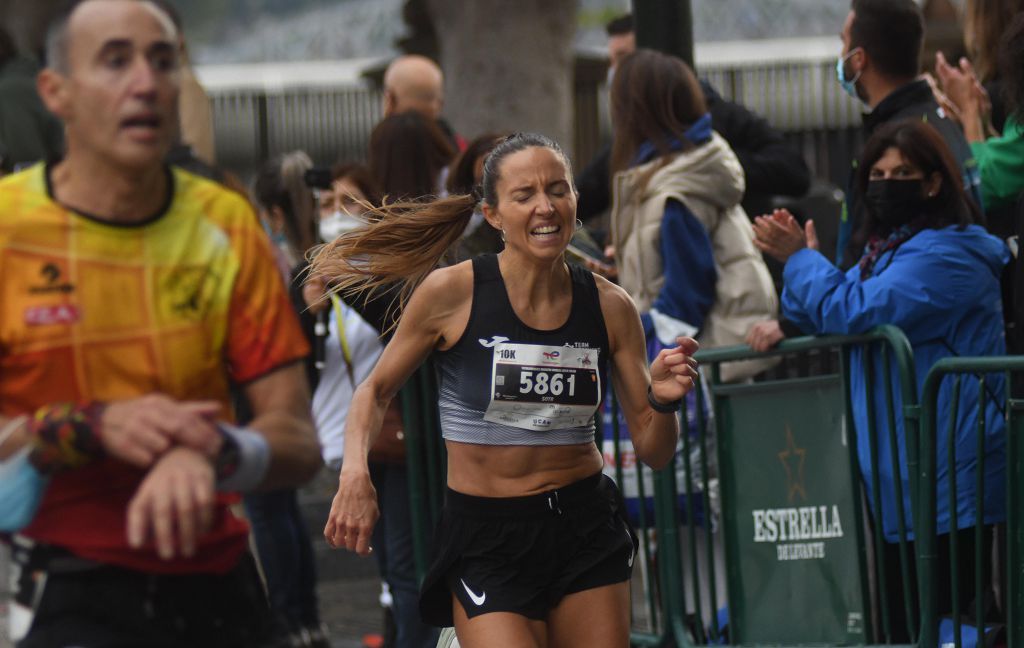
x: 790, y: 514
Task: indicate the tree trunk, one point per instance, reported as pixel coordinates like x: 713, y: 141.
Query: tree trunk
x: 26, y: 21
x: 508, y: 66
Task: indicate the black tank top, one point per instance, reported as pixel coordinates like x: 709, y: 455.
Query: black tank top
x: 505, y: 383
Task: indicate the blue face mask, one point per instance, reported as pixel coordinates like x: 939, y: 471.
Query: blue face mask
x: 849, y: 85
x: 21, y: 488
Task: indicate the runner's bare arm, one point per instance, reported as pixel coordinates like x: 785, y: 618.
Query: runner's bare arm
x: 280, y: 402
x: 435, y: 317
x: 654, y: 434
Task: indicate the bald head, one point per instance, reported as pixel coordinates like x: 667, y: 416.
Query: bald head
x: 413, y: 82
x: 59, y: 34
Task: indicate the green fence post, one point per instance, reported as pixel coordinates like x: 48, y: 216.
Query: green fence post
x: 709, y: 540
x: 925, y: 531
x: 669, y: 563
x: 699, y: 630
x: 876, y: 494
x: 1015, y: 520
x: 901, y: 524
x: 979, y: 507
x: 434, y: 448
x: 954, y: 515
x: 415, y: 465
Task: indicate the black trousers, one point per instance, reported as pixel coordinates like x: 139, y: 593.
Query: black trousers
x: 111, y: 607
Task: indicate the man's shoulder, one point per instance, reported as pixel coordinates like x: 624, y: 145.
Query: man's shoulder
x: 204, y: 198
x: 22, y: 193
x: 916, y: 101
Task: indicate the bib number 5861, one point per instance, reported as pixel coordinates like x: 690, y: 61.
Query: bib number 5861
x: 542, y: 383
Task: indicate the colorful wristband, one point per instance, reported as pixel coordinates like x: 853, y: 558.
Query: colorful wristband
x: 65, y: 435
x: 664, y: 408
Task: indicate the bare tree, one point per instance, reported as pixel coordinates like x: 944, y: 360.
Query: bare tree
x: 508, y: 65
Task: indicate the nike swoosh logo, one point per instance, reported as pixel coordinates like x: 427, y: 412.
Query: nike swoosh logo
x: 493, y: 342
x: 631, y: 552
x: 478, y: 600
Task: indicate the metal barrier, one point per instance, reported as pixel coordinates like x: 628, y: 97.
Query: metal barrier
x: 426, y: 460
x: 987, y: 374
x: 689, y: 594
x: 329, y: 123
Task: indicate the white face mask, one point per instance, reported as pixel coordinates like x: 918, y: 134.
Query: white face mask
x: 336, y: 224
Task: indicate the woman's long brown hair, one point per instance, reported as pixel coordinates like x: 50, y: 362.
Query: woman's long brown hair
x: 654, y: 98
x: 985, y: 22
x: 402, y: 244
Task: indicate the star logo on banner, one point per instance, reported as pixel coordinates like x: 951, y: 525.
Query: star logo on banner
x: 792, y: 459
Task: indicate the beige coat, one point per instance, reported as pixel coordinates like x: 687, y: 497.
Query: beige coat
x: 709, y: 181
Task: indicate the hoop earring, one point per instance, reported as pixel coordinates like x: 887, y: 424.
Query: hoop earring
x: 579, y: 225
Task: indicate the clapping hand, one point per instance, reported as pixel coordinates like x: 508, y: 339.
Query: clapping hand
x: 779, y: 235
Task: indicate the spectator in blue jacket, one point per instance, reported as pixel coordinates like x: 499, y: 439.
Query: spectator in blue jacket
x: 929, y: 269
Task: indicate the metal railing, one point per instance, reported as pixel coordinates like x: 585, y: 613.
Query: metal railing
x: 333, y: 122
x: 683, y: 624
x: 993, y: 377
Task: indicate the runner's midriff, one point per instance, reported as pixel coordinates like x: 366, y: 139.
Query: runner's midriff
x: 511, y: 471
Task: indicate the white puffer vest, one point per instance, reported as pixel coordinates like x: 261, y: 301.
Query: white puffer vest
x: 709, y: 181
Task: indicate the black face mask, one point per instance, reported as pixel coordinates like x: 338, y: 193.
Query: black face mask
x: 896, y: 202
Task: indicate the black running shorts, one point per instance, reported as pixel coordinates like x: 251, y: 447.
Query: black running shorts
x: 523, y: 554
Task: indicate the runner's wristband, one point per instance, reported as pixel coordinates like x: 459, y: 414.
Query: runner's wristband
x: 243, y: 459
x: 65, y: 435
x: 664, y: 408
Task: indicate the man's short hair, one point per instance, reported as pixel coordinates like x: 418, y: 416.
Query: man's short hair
x: 620, y: 26
x: 891, y: 33
x: 168, y: 8
x: 55, y: 54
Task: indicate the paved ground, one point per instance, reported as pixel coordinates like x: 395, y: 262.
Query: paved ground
x: 348, y: 586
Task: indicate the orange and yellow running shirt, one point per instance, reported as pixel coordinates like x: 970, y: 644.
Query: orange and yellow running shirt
x: 180, y: 304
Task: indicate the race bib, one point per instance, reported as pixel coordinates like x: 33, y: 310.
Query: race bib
x: 537, y: 387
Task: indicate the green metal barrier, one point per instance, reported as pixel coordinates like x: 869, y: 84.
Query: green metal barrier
x: 679, y: 599
x: 686, y: 608
x: 426, y: 460
x: 954, y: 370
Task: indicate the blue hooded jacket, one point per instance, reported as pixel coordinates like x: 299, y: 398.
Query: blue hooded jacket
x: 941, y: 287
